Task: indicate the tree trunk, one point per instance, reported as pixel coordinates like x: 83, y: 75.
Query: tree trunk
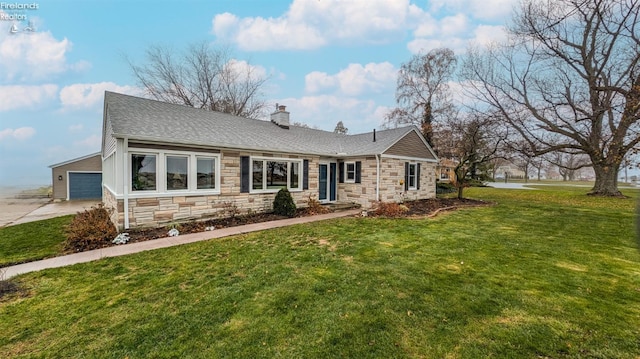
x: 460, y: 188
x: 606, y: 181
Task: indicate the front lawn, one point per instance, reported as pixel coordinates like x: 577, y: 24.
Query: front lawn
x: 541, y: 274
x: 32, y: 241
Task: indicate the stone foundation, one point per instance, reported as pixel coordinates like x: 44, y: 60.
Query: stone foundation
x: 155, y: 211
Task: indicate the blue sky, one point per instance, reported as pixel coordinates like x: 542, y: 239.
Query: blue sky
x: 327, y: 60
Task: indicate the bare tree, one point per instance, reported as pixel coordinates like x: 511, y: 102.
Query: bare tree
x: 568, y: 81
x: 202, y: 77
x: 568, y: 163
x: 340, y: 128
x: 422, y: 91
x: 477, y: 140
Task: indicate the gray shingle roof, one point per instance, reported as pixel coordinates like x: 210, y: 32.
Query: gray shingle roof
x: 144, y: 119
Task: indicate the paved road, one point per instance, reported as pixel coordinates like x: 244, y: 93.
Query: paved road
x: 509, y: 185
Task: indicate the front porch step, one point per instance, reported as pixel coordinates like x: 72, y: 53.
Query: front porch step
x: 342, y: 206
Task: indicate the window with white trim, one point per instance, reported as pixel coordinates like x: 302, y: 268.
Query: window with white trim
x: 205, y: 172
x: 178, y: 171
x: 350, y: 170
x: 143, y: 172
x: 413, y: 170
x: 272, y: 174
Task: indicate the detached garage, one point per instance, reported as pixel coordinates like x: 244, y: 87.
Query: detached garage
x: 79, y: 178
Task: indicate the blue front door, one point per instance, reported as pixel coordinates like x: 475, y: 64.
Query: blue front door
x: 327, y: 182
x: 323, y: 179
x: 332, y: 181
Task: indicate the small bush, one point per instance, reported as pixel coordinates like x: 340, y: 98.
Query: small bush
x: 231, y: 209
x: 91, y: 229
x: 385, y: 209
x: 7, y: 286
x: 315, y: 207
x: 283, y: 204
x: 445, y: 187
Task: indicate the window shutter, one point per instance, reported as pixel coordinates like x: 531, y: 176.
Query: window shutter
x: 358, y: 169
x: 418, y: 176
x: 244, y: 174
x: 406, y: 176
x: 341, y: 172
x: 305, y: 174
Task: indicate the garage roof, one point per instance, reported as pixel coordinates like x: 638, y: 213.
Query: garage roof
x: 74, y: 160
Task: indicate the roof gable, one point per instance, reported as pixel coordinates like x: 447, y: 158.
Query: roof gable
x: 411, y: 145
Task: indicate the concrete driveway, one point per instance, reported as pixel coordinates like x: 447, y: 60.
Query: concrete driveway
x: 21, y: 210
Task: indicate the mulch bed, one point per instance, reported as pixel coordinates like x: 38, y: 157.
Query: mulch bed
x: 433, y: 206
x: 420, y: 208
x: 145, y: 234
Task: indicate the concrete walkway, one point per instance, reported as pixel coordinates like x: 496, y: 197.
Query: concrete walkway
x: 125, y: 249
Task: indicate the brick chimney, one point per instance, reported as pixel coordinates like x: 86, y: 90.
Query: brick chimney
x: 281, y: 116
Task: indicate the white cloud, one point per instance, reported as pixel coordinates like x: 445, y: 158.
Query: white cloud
x: 34, y: 56
x: 20, y: 134
x: 18, y: 96
x: 480, y: 35
x: 317, y: 81
x: 458, y: 23
x: 309, y: 24
x: 325, y: 111
x: 355, y: 80
x: 83, y: 96
x: 478, y: 9
x: 93, y: 142
x: 425, y: 45
x: 244, y: 69
x: 453, y: 25
x: 487, y: 34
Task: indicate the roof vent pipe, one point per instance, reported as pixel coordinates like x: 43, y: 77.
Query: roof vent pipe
x: 374, y: 135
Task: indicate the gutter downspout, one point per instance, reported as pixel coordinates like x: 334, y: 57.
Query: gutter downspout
x: 125, y: 182
x: 377, y: 177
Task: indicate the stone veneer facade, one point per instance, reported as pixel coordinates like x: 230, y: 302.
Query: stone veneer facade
x: 391, y: 183
x: 154, y: 211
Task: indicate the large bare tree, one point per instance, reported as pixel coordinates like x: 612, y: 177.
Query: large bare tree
x: 422, y: 91
x: 203, y: 77
x: 568, y: 81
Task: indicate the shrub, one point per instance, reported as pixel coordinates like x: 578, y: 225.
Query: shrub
x: 445, y: 187
x: 315, y: 207
x: 7, y: 286
x: 390, y: 209
x: 283, y: 204
x: 231, y: 209
x: 90, y: 229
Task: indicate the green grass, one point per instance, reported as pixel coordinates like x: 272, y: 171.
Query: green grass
x: 32, y: 241
x: 542, y: 274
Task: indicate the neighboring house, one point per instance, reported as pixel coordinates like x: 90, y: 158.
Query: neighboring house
x: 79, y: 178
x: 509, y: 171
x: 165, y: 162
x: 446, y: 170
